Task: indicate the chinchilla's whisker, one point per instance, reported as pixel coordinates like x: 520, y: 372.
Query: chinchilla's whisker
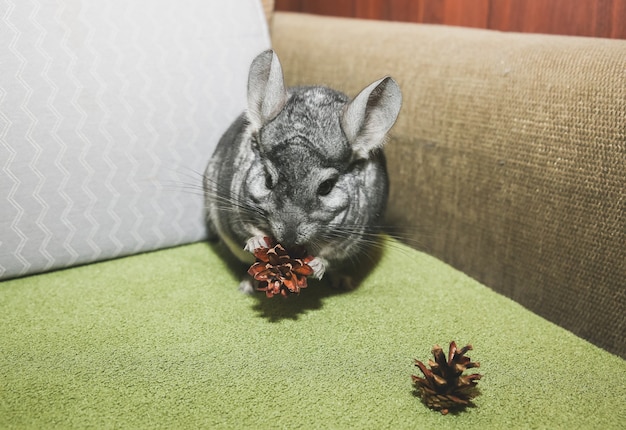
x: 368, y: 240
x: 231, y: 210
x: 223, y: 197
x: 182, y: 186
x: 399, y: 234
x: 193, y: 183
x: 238, y: 213
x: 225, y: 201
x: 315, y: 245
x: 185, y: 190
x: 361, y: 254
x: 187, y: 172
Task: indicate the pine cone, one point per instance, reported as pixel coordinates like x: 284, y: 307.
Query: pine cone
x: 444, y: 387
x: 278, y: 272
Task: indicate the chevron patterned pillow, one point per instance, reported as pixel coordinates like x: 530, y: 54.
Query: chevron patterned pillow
x: 109, y: 112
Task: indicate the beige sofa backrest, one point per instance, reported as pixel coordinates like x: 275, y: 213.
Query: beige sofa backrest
x: 508, y: 160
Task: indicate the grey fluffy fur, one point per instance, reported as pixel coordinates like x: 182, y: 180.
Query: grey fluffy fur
x: 302, y: 165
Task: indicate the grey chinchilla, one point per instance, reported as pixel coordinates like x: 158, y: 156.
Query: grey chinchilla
x: 302, y: 165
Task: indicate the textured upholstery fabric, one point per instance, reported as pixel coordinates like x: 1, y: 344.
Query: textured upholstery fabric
x: 508, y: 160
x: 109, y: 112
x: 165, y: 340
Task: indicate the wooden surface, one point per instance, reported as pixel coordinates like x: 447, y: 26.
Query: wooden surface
x: 596, y: 18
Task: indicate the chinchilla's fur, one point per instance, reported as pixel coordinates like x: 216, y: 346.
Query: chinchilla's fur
x: 302, y: 165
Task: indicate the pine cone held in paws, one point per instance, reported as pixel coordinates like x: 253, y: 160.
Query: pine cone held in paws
x: 444, y: 387
x: 278, y: 272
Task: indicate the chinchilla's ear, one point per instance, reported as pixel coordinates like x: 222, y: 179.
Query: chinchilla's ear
x: 266, y: 89
x: 367, y: 119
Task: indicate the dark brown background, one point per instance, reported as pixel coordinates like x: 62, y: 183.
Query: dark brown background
x: 596, y: 18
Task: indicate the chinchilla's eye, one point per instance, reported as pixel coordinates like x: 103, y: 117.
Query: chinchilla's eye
x: 326, y: 187
x: 269, y: 181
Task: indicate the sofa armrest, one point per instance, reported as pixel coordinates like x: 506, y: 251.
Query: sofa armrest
x: 508, y: 160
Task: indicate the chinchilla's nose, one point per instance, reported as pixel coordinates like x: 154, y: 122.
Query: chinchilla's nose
x: 289, y: 238
x: 289, y: 234
x: 286, y: 233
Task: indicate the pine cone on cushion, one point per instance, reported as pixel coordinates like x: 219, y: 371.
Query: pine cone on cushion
x: 279, y: 271
x: 444, y: 387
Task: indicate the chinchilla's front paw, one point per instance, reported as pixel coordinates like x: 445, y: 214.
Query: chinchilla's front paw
x: 247, y: 286
x: 318, y: 265
x: 255, y: 242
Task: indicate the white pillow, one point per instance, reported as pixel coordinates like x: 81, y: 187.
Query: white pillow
x: 109, y: 112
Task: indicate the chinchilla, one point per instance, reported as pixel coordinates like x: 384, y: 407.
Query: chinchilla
x: 303, y: 166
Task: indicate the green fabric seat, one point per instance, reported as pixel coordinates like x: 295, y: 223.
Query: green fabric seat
x: 165, y: 340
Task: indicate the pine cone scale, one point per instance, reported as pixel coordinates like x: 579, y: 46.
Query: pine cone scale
x: 444, y: 387
x: 279, y: 271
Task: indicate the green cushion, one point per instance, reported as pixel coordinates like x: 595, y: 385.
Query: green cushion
x: 166, y: 340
